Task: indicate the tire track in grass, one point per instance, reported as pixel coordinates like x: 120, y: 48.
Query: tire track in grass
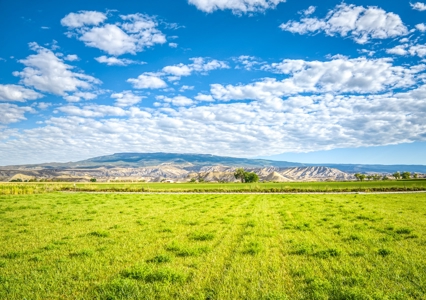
x: 215, y: 283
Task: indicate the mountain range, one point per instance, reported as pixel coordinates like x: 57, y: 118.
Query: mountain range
x: 183, y: 167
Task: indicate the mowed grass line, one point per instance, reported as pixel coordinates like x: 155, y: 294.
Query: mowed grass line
x: 111, y: 246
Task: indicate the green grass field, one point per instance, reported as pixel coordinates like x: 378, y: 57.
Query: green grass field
x: 347, y: 186
x: 138, y: 246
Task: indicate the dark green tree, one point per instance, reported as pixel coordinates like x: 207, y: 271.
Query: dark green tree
x: 250, y: 177
x: 397, y: 175
x: 406, y: 175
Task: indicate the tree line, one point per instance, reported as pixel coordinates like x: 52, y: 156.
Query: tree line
x: 397, y: 175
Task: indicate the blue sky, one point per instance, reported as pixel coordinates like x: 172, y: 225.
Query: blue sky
x: 339, y: 82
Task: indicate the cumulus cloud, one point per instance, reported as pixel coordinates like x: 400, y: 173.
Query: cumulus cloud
x: 186, y: 87
x: 83, y: 18
x: 357, y: 22
x: 247, y: 62
x: 204, y: 97
x: 329, y: 121
x: 173, y: 45
x: 93, y: 111
x: 341, y: 75
x: 114, y: 61
x: 421, y: 27
x: 48, y: 73
x: 309, y: 11
x: 147, y: 81
x: 135, y: 33
x: 199, y: 64
x: 406, y: 49
x: 177, y: 100
x: 398, y: 50
x: 418, y: 6
x: 11, y: 92
x: 78, y: 96
x: 71, y: 57
x: 126, y: 98
x: 11, y: 113
x: 237, y: 6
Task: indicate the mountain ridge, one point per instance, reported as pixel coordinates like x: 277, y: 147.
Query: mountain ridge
x: 190, y: 161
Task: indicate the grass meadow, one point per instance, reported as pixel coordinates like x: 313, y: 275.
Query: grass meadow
x: 146, y: 246
x: 13, y: 188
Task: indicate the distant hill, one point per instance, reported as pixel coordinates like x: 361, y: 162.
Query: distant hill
x: 136, y: 160
x: 194, y: 162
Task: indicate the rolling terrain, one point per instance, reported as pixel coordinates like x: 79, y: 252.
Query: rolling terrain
x: 156, y: 167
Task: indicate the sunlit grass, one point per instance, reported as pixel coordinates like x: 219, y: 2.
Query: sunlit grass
x: 115, y: 246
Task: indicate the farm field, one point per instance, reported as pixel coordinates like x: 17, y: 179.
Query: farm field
x: 344, y: 186
x: 139, y: 246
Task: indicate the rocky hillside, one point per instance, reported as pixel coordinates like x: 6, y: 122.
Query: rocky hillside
x: 153, y: 167
x: 176, y: 174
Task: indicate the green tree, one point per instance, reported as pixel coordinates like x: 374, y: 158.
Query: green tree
x: 406, y: 175
x: 239, y: 174
x: 397, y: 175
x: 92, y: 179
x: 385, y: 177
x: 359, y: 176
x: 369, y: 177
x: 376, y: 177
x: 415, y: 175
x: 250, y: 177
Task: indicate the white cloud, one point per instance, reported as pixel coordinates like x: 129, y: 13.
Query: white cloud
x: 83, y: 18
x: 177, y: 100
x: 173, y: 45
x: 405, y: 49
x: 237, y: 6
x: 186, y: 88
x: 78, y: 96
x: 11, y: 92
x: 419, y: 50
x: 114, y: 61
x: 199, y: 64
x: 398, y: 50
x: 43, y: 105
x: 421, y: 27
x: 361, y: 24
x: 11, y: 113
x: 71, y: 57
x: 46, y: 72
x: 111, y: 39
x: 178, y: 70
x: 248, y: 62
x: 134, y: 34
x: 418, y: 6
x: 340, y: 75
x: 147, y: 81
x: 126, y: 98
x: 203, y: 97
x: 93, y: 111
x: 309, y: 11
x: 298, y: 123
